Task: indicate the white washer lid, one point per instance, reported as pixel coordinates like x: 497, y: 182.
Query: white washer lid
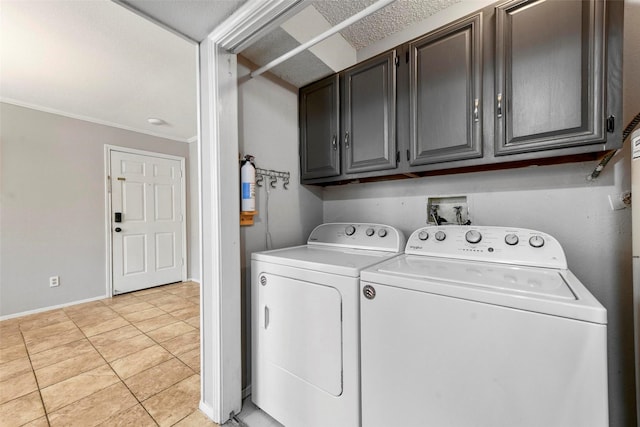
x: 544, y: 290
x: 543, y: 282
x: 334, y: 260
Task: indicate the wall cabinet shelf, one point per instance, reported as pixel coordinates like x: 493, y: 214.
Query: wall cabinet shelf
x: 519, y: 82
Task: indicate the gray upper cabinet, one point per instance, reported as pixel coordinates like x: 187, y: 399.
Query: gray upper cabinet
x: 369, y: 115
x: 550, y: 68
x: 520, y: 82
x: 445, y: 94
x: 319, y: 129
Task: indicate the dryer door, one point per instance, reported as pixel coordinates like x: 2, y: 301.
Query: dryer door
x: 301, y: 330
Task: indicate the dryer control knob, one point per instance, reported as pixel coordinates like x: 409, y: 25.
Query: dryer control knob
x: 440, y: 236
x: 473, y: 236
x: 350, y: 230
x: 423, y: 235
x: 382, y: 232
x: 370, y: 232
x: 536, y: 241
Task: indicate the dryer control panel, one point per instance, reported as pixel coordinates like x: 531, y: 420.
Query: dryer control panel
x: 378, y: 237
x: 506, y: 245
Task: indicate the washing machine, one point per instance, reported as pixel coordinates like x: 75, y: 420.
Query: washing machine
x: 305, y: 323
x: 482, y: 327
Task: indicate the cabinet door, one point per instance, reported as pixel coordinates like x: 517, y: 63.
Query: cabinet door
x: 319, y: 121
x: 549, y: 75
x: 445, y: 85
x: 369, y: 115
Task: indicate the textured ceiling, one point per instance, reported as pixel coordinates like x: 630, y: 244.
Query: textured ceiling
x: 98, y: 61
x: 195, y: 19
x: 310, y: 65
x: 383, y: 23
x: 299, y: 70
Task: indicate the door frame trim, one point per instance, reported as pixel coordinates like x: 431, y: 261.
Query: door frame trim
x: 108, y: 149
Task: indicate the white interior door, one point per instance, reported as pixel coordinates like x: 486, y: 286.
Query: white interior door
x: 146, y: 221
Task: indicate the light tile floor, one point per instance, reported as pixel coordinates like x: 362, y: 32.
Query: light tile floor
x: 130, y: 360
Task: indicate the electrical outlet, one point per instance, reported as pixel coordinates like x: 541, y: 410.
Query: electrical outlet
x: 54, y: 281
x: 449, y: 210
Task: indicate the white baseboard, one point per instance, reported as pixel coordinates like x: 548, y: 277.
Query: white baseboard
x: 54, y: 307
x: 207, y: 410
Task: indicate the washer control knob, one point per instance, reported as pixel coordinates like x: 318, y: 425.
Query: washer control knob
x: 370, y: 231
x: 382, y: 232
x: 536, y: 241
x: 440, y: 236
x: 473, y: 236
x: 511, y: 239
x: 423, y: 235
x: 350, y: 230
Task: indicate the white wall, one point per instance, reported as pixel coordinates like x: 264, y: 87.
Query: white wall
x: 268, y: 122
x: 52, y: 205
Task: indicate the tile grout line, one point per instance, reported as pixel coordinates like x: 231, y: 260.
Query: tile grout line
x: 151, y: 367
x: 96, y: 391
x: 120, y: 378
x: 134, y: 300
x: 33, y: 372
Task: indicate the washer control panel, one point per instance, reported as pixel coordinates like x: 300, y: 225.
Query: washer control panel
x: 359, y: 236
x: 496, y: 244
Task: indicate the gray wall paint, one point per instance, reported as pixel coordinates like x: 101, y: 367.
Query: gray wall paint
x: 52, y: 210
x: 268, y: 121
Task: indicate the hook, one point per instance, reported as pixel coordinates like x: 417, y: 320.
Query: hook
x: 259, y: 180
x: 274, y: 181
x: 285, y: 182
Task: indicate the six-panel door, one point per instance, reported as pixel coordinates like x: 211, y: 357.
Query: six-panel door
x: 147, y: 243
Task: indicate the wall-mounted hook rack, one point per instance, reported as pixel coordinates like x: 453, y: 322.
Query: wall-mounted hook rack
x: 273, y: 176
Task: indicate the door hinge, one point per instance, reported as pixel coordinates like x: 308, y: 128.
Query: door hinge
x: 182, y: 261
x: 611, y: 124
x: 407, y: 57
x: 397, y: 61
x: 109, y: 184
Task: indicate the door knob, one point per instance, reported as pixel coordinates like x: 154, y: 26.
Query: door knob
x: 118, y: 229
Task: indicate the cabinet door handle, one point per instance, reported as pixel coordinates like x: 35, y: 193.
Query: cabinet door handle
x: 346, y: 140
x: 334, y: 143
x: 266, y: 317
x: 476, y: 113
x: 499, y: 109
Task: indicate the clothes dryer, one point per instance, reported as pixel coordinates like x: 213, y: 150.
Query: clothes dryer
x: 482, y: 327
x: 305, y: 323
